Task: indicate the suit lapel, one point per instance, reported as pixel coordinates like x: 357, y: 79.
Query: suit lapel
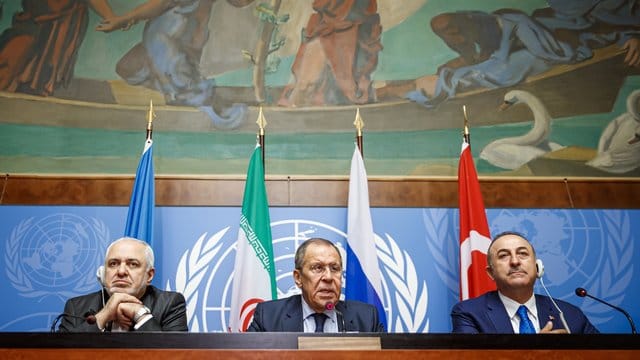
x: 497, y: 314
x: 341, y: 306
x: 545, y: 311
x: 292, y: 319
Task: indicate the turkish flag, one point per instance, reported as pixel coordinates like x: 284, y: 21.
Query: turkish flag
x: 474, y: 230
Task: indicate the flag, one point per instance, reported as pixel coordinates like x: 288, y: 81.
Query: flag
x: 363, y: 280
x: 474, y: 230
x: 254, y: 277
x: 140, y: 216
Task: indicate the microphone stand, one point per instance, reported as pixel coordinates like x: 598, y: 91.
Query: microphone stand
x: 582, y: 293
x: 339, y: 316
x: 88, y: 317
x: 55, y: 322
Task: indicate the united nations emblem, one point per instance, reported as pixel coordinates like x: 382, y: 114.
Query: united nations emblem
x: 49, y: 256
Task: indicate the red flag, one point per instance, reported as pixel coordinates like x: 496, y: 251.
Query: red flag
x: 474, y: 230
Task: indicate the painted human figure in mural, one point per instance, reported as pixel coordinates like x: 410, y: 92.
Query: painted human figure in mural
x: 38, y: 52
x: 338, y: 53
x: 168, y: 57
x: 503, y: 48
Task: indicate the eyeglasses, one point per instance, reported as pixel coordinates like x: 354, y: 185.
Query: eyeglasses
x: 319, y: 269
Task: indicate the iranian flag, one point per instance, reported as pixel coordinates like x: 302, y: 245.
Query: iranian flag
x: 474, y: 230
x: 254, y: 279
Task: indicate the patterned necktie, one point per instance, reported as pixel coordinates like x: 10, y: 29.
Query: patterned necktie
x: 319, y: 318
x: 526, y: 326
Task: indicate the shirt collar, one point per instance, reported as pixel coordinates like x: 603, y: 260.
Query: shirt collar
x: 308, y: 311
x: 512, y: 306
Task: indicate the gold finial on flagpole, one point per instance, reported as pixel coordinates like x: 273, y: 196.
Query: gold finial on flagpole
x: 465, y: 131
x: 262, y: 122
x: 358, y: 123
x: 466, y: 120
x: 150, y: 116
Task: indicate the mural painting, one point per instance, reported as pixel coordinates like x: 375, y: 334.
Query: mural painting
x: 552, y: 88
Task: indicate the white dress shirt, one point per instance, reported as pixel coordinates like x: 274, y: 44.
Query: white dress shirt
x: 512, y: 307
x: 309, y: 323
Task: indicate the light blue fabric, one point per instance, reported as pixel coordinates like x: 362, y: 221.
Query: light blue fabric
x: 139, y: 223
x: 528, y: 45
x: 173, y: 43
x: 510, y: 64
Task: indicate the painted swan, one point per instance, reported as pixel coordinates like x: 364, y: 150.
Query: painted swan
x: 619, y: 145
x: 513, y: 152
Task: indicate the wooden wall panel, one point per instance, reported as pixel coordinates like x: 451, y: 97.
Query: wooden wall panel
x: 306, y: 191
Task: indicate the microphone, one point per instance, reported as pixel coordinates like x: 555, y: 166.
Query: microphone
x: 89, y: 317
x: 582, y: 293
x: 331, y: 306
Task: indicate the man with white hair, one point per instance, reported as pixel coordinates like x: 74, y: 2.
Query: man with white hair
x: 127, y: 301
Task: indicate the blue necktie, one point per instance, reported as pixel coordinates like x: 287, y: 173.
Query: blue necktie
x: 526, y: 326
x: 319, y: 318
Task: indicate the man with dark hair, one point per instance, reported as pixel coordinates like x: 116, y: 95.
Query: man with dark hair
x: 505, y: 47
x: 318, y: 273
x: 514, y: 308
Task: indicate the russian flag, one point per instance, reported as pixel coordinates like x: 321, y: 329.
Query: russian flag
x: 363, y: 279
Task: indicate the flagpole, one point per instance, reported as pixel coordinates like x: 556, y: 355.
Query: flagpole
x: 359, y: 124
x: 362, y: 267
x: 475, y: 235
x: 465, y: 132
x: 150, y: 116
x: 262, y: 123
x: 140, y: 216
x: 254, y: 275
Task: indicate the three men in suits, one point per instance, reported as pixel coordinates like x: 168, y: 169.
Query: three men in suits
x: 512, y: 265
x: 318, y: 273
x: 127, y: 301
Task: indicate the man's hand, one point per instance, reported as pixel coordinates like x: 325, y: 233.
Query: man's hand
x: 126, y: 312
x: 114, y: 23
x: 110, y: 310
x: 632, y: 46
x: 548, y: 329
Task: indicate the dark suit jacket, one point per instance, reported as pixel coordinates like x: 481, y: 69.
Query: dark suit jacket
x: 167, y: 307
x: 286, y: 315
x: 487, y: 314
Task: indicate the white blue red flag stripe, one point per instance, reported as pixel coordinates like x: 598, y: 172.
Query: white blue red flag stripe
x: 363, y: 279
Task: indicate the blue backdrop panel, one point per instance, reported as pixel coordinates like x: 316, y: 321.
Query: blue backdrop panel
x: 51, y: 253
